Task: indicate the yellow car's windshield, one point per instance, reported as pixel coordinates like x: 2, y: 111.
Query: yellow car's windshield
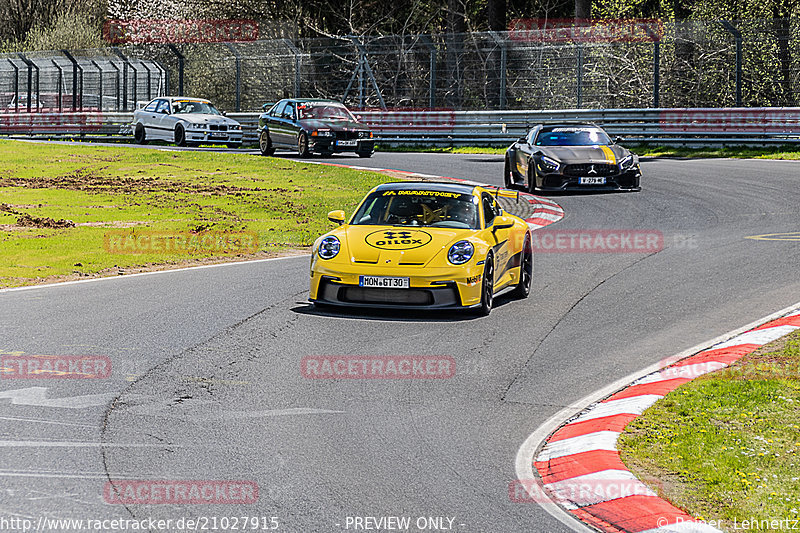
x: 440, y: 209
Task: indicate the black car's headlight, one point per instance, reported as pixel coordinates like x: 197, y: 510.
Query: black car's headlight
x: 627, y: 163
x: 328, y: 247
x: 460, y: 252
x: 322, y: 133
x: 548, y: 163
x: 364, y: 134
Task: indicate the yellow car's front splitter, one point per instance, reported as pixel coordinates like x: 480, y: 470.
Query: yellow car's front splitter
x: 338, y: 283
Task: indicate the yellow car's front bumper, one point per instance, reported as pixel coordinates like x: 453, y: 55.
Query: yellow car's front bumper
x: 337, y: 283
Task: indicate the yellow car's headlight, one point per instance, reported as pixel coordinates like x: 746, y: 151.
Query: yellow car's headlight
x: 460, y: 252
x: 329, y: 247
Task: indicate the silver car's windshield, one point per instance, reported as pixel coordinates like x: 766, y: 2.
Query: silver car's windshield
x: 419, y: 208
x: 184, y: 107
x: 572, y: 136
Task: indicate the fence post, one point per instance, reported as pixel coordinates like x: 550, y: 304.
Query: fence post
x: 364, y: 66
x: 31, y: 65
x: 656, y: 73
x: 16, y: 85
x: 737, y: 35
x: 579, y: 75
x: 149, y: 87
x: 75, y: 69
x: 432, y: 75
x: 181, y: 64
x: 238, y: 62
x: 127, y: 65
x: 60, y: 84
x: 116, y: 83
x: 297, y: 65
x: 100, y: 77
x: 503, y: 60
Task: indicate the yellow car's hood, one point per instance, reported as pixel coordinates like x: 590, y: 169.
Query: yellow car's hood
x: 400, y: 245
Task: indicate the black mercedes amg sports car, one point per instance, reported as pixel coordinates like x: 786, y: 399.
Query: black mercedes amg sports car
x: 312, y: 125
x: 559, y: 157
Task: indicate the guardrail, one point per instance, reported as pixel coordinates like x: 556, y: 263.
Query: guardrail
x: 689, y: 126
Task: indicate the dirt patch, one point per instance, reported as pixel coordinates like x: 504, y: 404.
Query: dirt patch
x: 28, y: 221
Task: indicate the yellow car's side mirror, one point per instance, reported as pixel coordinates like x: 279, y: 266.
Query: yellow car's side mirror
x: 336, y: 216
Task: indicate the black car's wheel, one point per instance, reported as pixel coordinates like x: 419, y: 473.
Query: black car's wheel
x: 487, y: 288
x: 139, y: 135
x: 508, y: 176
x: 180, y: 135
x: 302, y: 145
x: 531, y: 185
x: 526, y: 270
x: 365, y: 154
x: 265, y: 143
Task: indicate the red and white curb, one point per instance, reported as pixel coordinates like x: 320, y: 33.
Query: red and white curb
x: 545, y: 211
x: 579, y: 466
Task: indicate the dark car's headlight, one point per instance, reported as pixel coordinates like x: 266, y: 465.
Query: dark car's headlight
x: 322, y: 133
x: 364, y: 134
x: 328, y: 247
x: 548, y: 163
x: 460, y: 252
x: 627, y: 162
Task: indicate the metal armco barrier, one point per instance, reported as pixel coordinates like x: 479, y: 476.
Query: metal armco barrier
x: 687, y: 126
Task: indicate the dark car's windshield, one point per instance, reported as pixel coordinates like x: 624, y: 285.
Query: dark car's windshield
x: 324, y: 111
x: 419, y: 208
x: 194, y: 106
x: 573, y: 136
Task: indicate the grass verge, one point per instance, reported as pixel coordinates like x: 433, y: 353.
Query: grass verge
x: 739, y: 152
x: 724, y: 447
x: 58, y: 204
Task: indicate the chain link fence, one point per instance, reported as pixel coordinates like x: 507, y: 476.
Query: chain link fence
x: 690, y: 64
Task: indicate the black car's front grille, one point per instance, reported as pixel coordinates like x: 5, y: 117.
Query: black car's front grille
x: 216, y: 127
x: 590, y: 169
x: 346, y: 135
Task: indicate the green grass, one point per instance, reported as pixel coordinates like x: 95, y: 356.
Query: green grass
x: 103, y: 189
x: 725, y: 446
x: 777, y: 152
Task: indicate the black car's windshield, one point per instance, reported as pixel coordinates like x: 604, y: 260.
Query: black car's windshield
x: 419, y: 208
x: 194, y: 106
x: 324, y: 111
x: 574, y: 136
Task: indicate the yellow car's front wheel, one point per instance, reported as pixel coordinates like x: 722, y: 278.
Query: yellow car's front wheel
x: 487, y: 289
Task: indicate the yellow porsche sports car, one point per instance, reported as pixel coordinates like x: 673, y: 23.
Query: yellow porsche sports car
x: 423, y: 246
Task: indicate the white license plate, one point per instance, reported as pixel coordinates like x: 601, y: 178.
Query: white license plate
x: 219, y: 135
x: 592, y: 181
x: 346, y: 143
x: 383, y: 282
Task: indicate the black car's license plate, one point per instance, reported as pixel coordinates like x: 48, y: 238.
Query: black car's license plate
x: 592, y: 181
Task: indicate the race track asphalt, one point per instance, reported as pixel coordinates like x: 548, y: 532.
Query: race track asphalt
x: 206, y: 377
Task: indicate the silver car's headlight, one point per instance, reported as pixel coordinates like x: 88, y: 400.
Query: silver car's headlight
x: 196, y: 126
x: 234, y: 127
x: 460, y: 252
x: 329, y: 247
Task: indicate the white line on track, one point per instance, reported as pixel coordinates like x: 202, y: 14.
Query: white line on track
x: 128, y: 276
x: 528, y: 450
